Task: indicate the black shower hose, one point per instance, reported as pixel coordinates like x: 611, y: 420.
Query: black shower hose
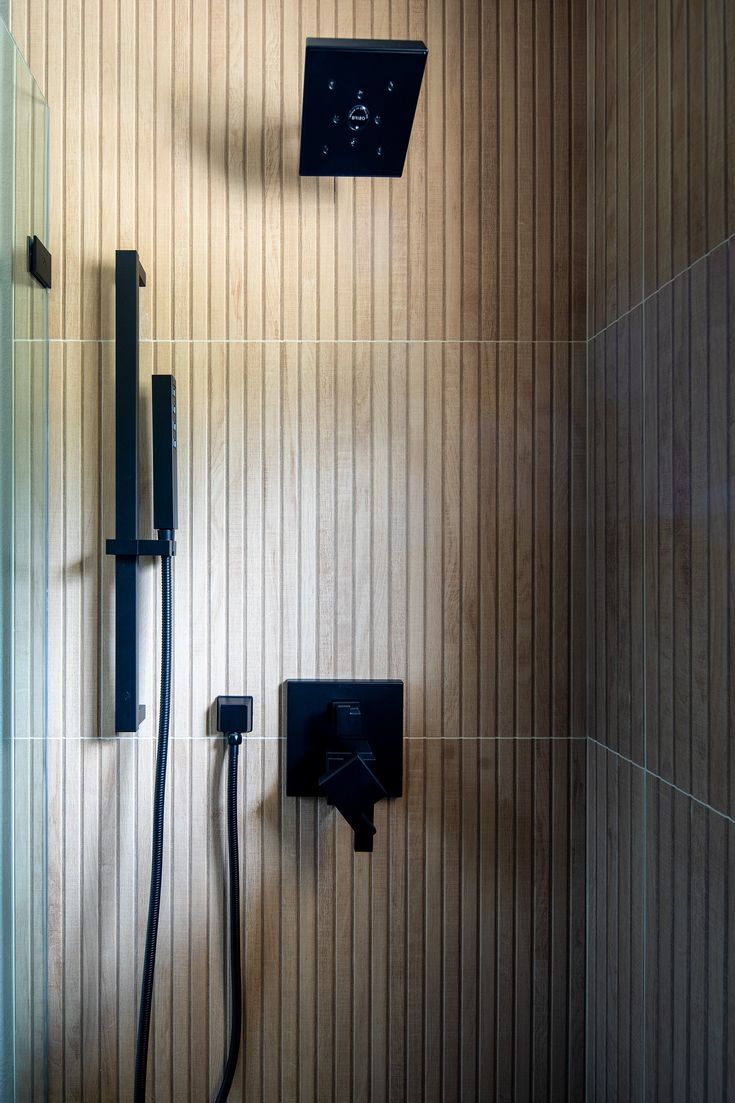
x: 159, y: 799
x: 234, y: 739
x: 154, y: 899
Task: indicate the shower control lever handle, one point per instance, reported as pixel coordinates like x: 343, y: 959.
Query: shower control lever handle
x: 349, y: 781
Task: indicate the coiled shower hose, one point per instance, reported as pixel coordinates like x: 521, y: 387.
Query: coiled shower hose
x: 154, y: 899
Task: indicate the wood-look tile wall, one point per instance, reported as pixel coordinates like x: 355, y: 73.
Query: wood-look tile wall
x: 661, y: 570
x: 23, y: 576
x: 406, y: 511
x: 177, y: 132
x: 661, y: 976
x: 616, y: 536
x: 690, y: 524
x: 372, y: 483
x: 615, y: 160
x: 661, y: 140
x: 690, y: 870
x: 689, y: 133
x: 355, y: 988
x: 616, y: 878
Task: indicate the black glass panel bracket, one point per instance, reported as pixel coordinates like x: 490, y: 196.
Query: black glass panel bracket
x: 39, y: 262
x: 344, y: 742
x: 359, y: 102
x: 127, y: 547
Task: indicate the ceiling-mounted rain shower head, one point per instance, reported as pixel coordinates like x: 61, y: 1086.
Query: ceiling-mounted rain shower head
x: 360, y: 98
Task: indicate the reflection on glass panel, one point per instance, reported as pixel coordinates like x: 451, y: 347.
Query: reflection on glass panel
x: 7, y: 993
x: 23, y: 467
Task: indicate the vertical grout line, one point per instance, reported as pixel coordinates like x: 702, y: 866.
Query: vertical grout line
x: 407, y: 718
x: 371, y: 653
x: 261, y: 1055
x: 299, y: 616
x: 497, y: 686
x: 496, y: 905
x: 644, y: 582
x: 708, y: 541
x: 334, y: 361
x: 517, y: 172
x: 64, y: 778
x: 190, y: 702
x: 571, y: 114
x: 617, y: 502
x: 444, y: 207
x: 688, y: 139
x: 423, y: 725
x: 689, y: 557
x: 262, y: 245
x: 479, y: 547
x: 353, y: 500
x: 516, y: 596
x: 706, y: 992
x: 461, y: 673
x: 532, y: 704
x: 281, y: 203
x: 280, y: 608
x: 689, y: 818
x: 729, y: 342
x: 442, y: 696
x: 371, y: 515
x: 670, y: 91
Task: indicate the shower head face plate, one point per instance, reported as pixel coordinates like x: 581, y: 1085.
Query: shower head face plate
x: 359, y: 103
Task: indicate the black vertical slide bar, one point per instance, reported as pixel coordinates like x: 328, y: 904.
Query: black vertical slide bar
x: 129, y: 277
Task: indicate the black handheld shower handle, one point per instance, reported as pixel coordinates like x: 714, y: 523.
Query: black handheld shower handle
x: 165, y: 480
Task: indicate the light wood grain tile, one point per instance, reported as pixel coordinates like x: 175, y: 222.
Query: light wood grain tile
x: 379, y: 509
x: 186, y: 147
x: 311, y: 478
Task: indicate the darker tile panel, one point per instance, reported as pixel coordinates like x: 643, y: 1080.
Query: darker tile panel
x: 532, y: 519
x: 531, y: 915
x: 689, y: 147
x: 615, y: 873
x: 690, y: 573
x: 615, y: 489
x: 690, y: 972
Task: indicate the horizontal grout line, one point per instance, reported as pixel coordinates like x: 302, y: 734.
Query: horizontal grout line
x: 303, y: 341
x: 282, y: 738
x: 663, y: 780
x: 647, y: 298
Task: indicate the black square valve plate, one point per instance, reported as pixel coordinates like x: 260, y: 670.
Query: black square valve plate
x: 360, y: 99
x: 307, y: 719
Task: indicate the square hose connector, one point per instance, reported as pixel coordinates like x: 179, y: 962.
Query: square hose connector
x: 234, y: 714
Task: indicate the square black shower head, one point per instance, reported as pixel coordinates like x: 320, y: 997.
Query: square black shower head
x: 360, y: 98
